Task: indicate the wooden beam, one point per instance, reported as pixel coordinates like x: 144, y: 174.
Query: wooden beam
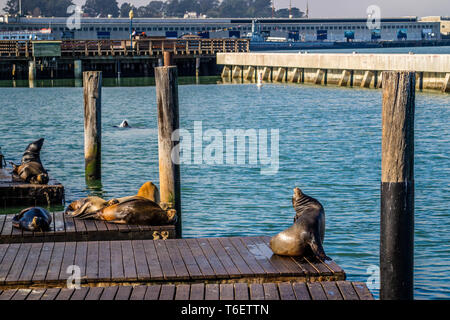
x: 166, y: 79
x: 397, y: 186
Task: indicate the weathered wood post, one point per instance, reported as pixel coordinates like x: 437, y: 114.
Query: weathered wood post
x: 397, y: 186
x: 168, y: 59
x: 92, y: 83
x: 166, y: 79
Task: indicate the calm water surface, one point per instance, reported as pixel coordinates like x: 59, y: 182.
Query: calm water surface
x: 330, y: 146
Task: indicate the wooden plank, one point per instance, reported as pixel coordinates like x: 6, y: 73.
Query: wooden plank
x: 189, y: 260
x: 318, y: 265
x: 182, y: 292
x: 31, y: 263
x: 259, y: 257
x: 7, y: 295
x: 286, y: 291
x: 226, y: 291
x: 109, y: 293
x: 21, y: 294
x: 65, y: 294
x: 138, y: 293
x: 249, y: 258
x: 80, y: 294
x: 7, y: 227
x: 79, y: 226
x: 241, y: 291
x: 55, y: 262
x: 142, y: 270
x: 331, y: 290
x: 197, y: 291
x: 207, y: 260
x: 44, y: 260
x: 271, y: 291
x: 275, y: 260
x: 60, y: 227
x: 70, y: 224
x: 81, y: 258
x: 92, y: 260
x: 256, y: 291
x: 301, y: 291
x: 35, y: 294
x: 316, y: 291
x: 167, y: 292
x: 117, y: 271
x: 362, y: 291
x: 212, y: 291
x: 104, y: 261
x: 94, y: 294
x: 129, y: 265
x: 335, y: 268
x: 152, y: 292
x: 8, y: 260
x: 347, y: 290
x: 50, y: 294
x: 152, y: 260
x: 242, y: 265
x: 19, y: 261
x: 164, y: 260
x: 3, y: 249
x: 177, y: 260
x: 123, y: 293
x: 309, y: 270
x: 68, y: 259
x: 225, y: 260
x: 2, y: 222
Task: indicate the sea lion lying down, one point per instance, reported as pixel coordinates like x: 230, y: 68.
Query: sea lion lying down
x: 33, y: 219
x: 308, y: 231
x: 31, y: 169
x: 142, y: 209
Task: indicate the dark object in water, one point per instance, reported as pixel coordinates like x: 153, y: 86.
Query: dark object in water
x: 31, y: 169
x: 124, y: 124
x: 308, y: 231
x: 33, y: 219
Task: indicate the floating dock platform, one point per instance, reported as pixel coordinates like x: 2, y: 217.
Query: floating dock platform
x: 15, y: 193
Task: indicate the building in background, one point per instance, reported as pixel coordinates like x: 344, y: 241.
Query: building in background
x: 445, y: 24
x: 297, y: 29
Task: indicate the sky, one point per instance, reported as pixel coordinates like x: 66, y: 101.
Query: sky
x: 348, y: 8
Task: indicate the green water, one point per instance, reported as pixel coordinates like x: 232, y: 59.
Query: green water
x: 330, y: 147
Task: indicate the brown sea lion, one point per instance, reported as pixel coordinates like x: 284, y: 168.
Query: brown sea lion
x: 87, y: 206
x: 135, y: 210
x: 307, y: 232
x: 31, y: 169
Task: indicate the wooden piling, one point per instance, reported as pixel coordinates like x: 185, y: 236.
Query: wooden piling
x: 166, y: 79
x: 92, y: 83
x: 397, y: 186
x: 168, y: 59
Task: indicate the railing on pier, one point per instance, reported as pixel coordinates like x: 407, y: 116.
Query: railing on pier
x: 141, y: 47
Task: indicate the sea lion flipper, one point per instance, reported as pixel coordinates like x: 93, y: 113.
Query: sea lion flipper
x: 317, y: 248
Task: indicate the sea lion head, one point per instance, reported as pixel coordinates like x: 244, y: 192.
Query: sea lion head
x: 149, y: 191
x: 298, y: 193
x: 172, y: 216
x: 38, y: 224
x: 35, y: 146
x: 124, y: 124
x: 41, y: 178
x: 85, y: 206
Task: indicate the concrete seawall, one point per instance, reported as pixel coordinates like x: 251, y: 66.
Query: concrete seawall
x: 363, y: 70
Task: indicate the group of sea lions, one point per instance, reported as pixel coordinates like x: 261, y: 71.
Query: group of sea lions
x: 304, y: 237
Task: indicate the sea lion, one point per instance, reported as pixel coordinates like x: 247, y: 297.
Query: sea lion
x: 86, y: 206
x: 307, y: 232
x: 31, y: 169
x: 123, y: 124
x: 33, y: 219
x: 135, y: 210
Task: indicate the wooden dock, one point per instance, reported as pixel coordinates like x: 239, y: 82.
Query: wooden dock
x: 173, y: 261
x: 16, y: 193
x: 65, y: 228
x: 332, y: 290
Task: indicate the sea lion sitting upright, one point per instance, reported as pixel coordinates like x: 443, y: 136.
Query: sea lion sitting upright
x: 306, y: 233
x: 33, y: 219
x: 31, y: 169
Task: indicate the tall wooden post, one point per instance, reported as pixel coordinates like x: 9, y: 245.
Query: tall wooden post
x: 397, y: 187
x: 92, y: 83
x: 166, y: 79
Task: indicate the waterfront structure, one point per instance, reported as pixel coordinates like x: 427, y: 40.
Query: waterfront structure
x: 444, y: 22
x: 301, y: 29
x: 353, y: 70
